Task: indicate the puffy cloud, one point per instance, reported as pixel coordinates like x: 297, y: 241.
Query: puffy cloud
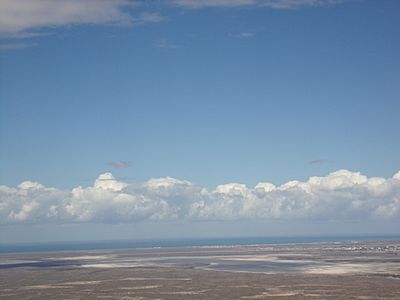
x: 32, y: 202
x: 342, y: 195
x: 107, y: 181
x: 19, y: 16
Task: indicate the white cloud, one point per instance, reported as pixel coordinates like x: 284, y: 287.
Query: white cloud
x: 27, y: 18
x: 107, y: 181
x: 277, y: 4
x: 342, y: 195
x: 18, y: 17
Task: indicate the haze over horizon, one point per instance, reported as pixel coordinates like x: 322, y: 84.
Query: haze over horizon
x: 182, y: 118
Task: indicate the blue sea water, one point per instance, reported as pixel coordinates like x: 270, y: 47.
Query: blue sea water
x: 173, y: 243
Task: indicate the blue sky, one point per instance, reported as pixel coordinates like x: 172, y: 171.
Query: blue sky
x: 227, y: 91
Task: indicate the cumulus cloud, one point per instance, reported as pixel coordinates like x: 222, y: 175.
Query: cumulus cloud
x: 18, y: 17
x: 341, y: 195
x: 277, y: 4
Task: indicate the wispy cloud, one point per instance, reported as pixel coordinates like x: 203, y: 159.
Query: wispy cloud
x: 120, y: 164
x: 291, y: 4
x: 277, y: 4
x: 318, y: 162
x: 244, y: 35
x: 23, y: 35
x: 165, y: 44
x: 213, y: 3
x: 27, y: 18
x: 147, y: 17
x: 21, y: 17
x: 16, y: 46
x: 341, y: 195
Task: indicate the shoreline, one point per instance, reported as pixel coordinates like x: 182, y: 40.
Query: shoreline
x: 70, y: 246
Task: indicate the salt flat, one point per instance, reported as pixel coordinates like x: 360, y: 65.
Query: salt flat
x: 348, y: 270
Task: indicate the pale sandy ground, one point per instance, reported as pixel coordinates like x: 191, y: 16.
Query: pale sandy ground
x: 368, y: 270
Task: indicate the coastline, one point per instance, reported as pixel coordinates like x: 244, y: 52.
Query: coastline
x: 184, y: 243
x: 336, y: 270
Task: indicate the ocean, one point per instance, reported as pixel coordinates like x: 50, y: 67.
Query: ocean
x: 176, y: 243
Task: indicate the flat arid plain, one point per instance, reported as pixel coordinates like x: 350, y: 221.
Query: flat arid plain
x: 345, y: 270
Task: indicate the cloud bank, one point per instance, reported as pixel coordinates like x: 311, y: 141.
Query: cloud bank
x: 342, y: 195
